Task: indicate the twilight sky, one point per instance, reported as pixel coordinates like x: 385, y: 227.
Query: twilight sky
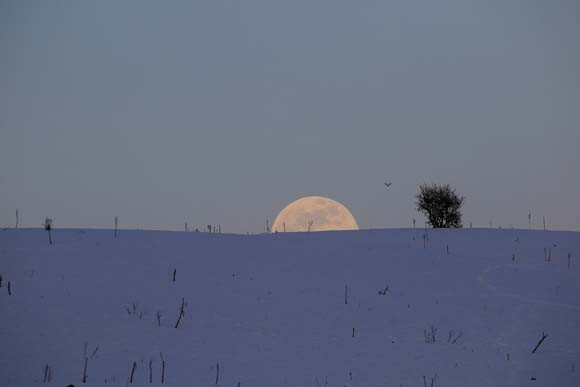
x: 223, y: 112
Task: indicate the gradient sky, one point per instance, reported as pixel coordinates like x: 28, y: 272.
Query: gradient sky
x: 223, y: 112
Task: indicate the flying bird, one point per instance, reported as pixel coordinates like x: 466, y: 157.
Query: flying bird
x: 388, y: 184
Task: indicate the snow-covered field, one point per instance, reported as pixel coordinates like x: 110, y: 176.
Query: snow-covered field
x: 305, y: 309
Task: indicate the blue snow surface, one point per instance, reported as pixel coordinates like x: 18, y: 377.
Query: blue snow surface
x: 275, y: 310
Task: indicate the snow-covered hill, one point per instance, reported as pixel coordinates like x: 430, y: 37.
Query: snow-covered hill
x: 363, y: 308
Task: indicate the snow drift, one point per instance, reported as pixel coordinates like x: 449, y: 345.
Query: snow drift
x: 353, y: 308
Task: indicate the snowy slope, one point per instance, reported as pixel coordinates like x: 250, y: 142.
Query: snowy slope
x: 270, y: 309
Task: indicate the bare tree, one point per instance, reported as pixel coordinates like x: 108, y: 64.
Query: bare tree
x: 440, y: 204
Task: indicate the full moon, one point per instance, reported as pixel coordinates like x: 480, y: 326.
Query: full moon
x: 314, y: 213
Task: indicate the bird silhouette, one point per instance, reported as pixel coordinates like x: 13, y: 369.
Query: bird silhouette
x: 388, y: 184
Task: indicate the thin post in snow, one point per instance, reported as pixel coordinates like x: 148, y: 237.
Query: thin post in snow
x: 345, y: 294
x: 48, y: 226
x: 9, y: 289
x: 150, y: 371
x: 540, y: 342
x: 85, y: 370
x: 162, y: 367
x: 217, y: 373
x: 132, y: 372
x: 569, y: 256
x: 116, y: 225
x: 174, y: 273
x: 16, y: 226
x: 544, y: 221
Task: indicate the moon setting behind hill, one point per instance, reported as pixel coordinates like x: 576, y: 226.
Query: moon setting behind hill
x: 314, y: 213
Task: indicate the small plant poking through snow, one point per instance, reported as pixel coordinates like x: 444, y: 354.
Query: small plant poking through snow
x: 162, y: 367
x: 48, y: 227
x: 47, y: 374
x: 432, y: 381
x: 181, y: 312
x: 430, y: 335
x: 453, y: 337
x: 548, y: 254
x: 384, y: 291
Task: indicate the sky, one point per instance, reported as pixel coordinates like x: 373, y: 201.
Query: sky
x: 223, y: 112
